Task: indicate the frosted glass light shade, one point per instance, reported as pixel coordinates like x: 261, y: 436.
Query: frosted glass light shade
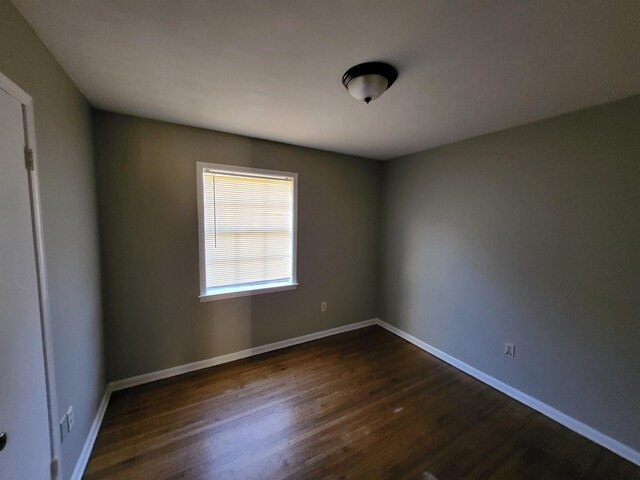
x: 367, y: 87
x: 367, y: 81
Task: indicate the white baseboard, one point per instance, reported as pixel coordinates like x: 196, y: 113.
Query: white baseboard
x: 81, y: 464
x: 571, y: 423
x: 190, y: 367
x: 230, y: 357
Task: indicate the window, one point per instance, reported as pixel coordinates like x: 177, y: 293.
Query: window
x: 247, y: 229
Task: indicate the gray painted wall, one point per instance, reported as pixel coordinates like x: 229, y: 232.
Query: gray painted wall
x: 67, y: 183
x: 147, y: 201
x: 530, y: 235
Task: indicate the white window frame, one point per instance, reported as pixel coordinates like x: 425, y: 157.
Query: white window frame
x: 220, y: 293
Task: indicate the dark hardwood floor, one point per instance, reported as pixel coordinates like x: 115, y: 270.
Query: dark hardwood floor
x: 360, y: 405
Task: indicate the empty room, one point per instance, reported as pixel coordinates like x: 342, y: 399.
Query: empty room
x: 337, y: 239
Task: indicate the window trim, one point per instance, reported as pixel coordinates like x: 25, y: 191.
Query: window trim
x: 245, y: 290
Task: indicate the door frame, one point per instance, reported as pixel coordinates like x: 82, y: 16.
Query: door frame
x: 41, y: 270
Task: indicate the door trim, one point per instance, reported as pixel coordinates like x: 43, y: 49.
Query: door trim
x: 36, y: 220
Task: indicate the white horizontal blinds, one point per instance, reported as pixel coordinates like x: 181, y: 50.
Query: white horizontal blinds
x: 248, y: 228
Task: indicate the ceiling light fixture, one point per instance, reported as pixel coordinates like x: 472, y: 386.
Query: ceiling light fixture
x: 367, y: 81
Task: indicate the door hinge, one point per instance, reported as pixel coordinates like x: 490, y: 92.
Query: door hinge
x: 54, y: 468
x: 28, y: 158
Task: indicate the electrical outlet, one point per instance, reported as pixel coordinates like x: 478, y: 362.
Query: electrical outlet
x: 510, y: 350
x: 70, y: 419
x: 323, y: 306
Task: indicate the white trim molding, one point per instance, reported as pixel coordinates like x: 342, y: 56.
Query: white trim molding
x: 230, y: 357
x: 245, y: 291
x: 41, y: 267
x: 81, y: 464
x: 580, y: 428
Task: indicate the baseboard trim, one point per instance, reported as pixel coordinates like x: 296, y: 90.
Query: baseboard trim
x: 571, y: 423
x: 231, y: 357
x: 81, y: 464
x: 588, y: 432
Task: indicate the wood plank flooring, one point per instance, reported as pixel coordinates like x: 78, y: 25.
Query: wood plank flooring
x: 360, y: 405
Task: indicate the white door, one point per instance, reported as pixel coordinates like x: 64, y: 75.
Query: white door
x: 23, y: 400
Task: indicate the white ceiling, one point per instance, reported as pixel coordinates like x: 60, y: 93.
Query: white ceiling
x: 272, y: 68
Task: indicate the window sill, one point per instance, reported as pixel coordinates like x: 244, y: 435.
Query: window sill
x: 232, y: 292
